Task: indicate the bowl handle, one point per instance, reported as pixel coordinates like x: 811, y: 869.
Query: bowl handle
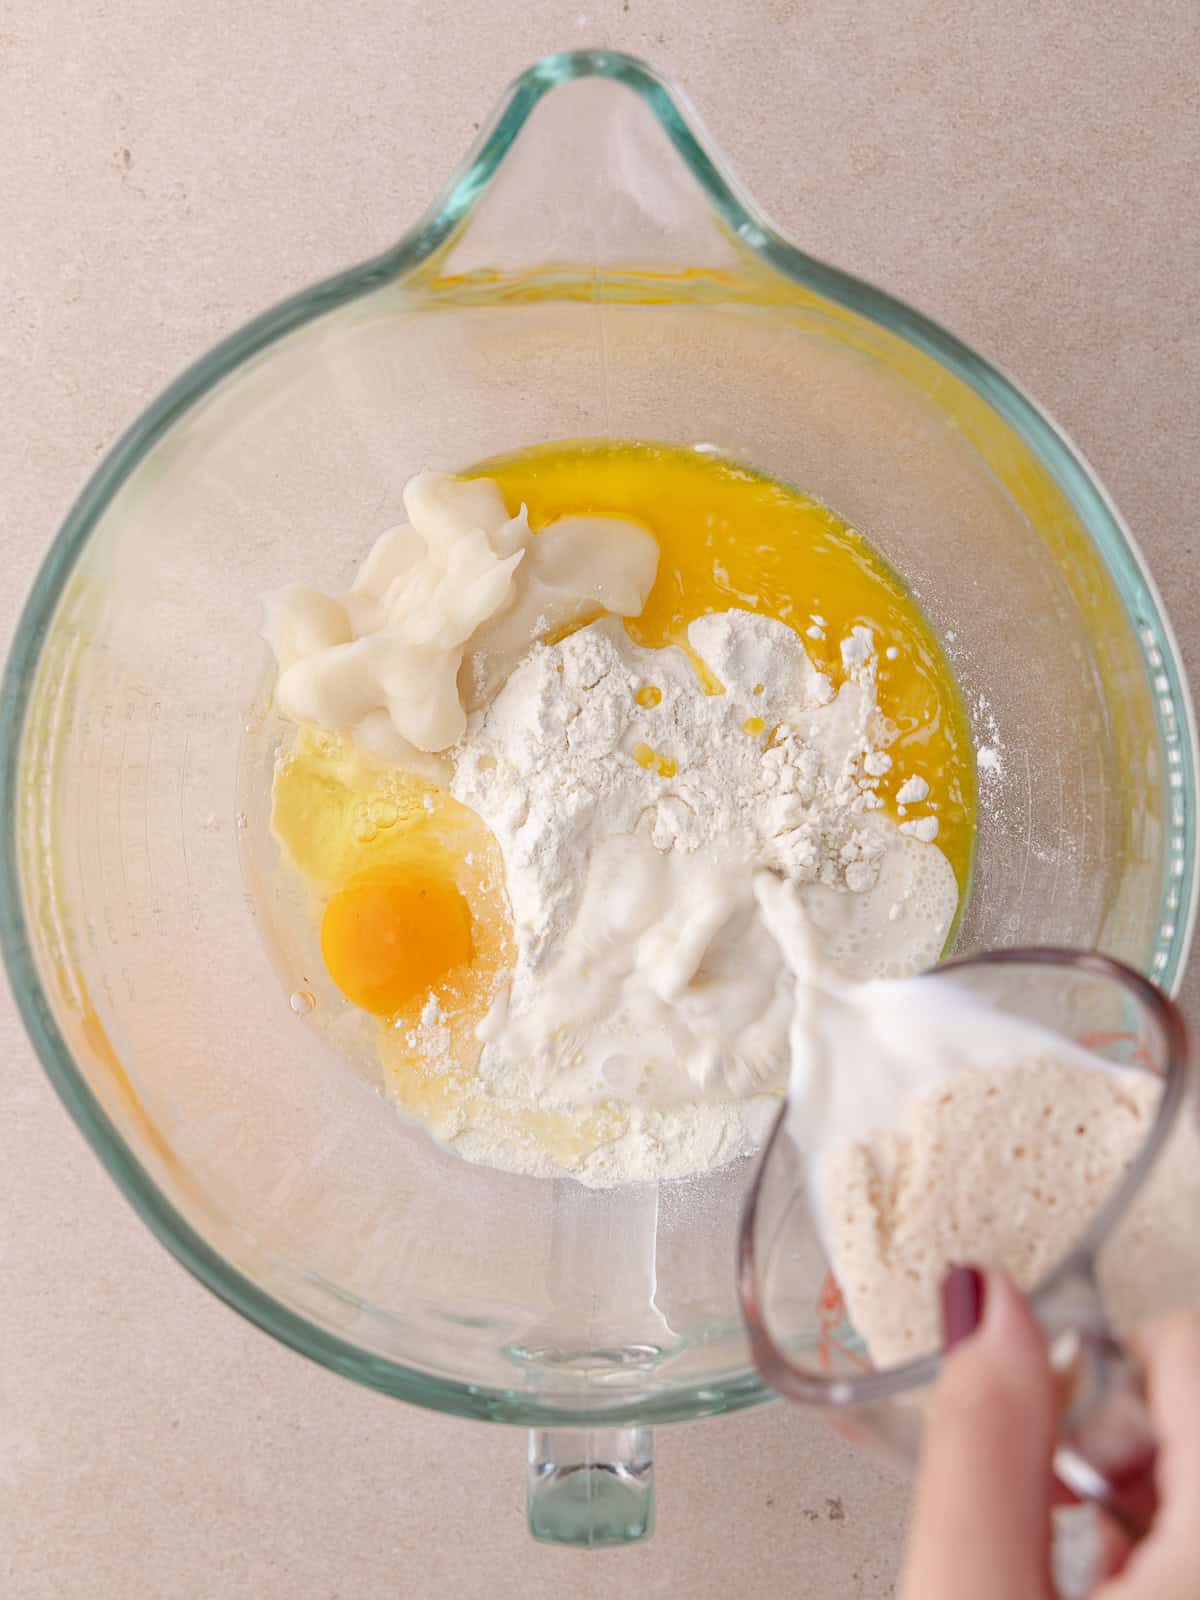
x: 591, y: 1487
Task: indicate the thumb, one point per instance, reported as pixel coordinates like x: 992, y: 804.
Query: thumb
x: 981, y: 1523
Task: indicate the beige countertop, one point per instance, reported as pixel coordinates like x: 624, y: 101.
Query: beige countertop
x: 1025, y: 172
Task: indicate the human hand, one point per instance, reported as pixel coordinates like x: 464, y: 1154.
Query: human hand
x: 985, y: 1487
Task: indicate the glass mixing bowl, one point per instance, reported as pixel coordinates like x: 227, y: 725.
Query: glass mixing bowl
x: 590, y: 270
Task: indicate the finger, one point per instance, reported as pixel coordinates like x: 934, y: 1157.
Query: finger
x: 981, y: 1526
x: 1164, y: 1566
x: 1113, y: 1549
x: 1169, y: 1354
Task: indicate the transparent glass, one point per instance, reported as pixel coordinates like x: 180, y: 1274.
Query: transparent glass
x: 590, y: 270
x: 803, y: 1340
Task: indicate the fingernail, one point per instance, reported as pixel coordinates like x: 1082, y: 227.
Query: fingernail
x: 963, y: 1291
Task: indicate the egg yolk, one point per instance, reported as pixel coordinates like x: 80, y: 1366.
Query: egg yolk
x: 391, y: 936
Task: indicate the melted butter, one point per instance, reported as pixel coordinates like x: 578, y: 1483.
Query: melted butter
x: 645, y: 756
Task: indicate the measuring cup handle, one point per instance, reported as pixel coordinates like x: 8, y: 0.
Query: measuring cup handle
x: 1107, y: 1443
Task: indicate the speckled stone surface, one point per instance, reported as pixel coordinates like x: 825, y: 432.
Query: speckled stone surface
x: 1025, y: 172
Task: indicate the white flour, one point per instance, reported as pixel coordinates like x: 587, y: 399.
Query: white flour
x: 632, y: 810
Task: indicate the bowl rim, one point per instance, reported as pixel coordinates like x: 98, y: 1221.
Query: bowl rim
x: 739, y: 213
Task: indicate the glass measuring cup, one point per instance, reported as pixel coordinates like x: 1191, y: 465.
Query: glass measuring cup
x: 801, y: 1337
